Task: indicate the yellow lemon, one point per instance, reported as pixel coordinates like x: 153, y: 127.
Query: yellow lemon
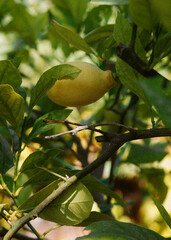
x: 90, y: 85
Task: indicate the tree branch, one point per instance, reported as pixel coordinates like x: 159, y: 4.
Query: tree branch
x: 115, y: 143
x: 128, y: 55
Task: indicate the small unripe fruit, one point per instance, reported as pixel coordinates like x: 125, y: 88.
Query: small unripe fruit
x: 89, y: 86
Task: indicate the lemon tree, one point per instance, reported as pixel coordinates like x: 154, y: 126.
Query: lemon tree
x: 85, y: 118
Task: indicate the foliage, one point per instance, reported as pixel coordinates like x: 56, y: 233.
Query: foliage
x: 40, y: 162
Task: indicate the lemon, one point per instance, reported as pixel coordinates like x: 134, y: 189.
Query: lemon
x: 89, y: 86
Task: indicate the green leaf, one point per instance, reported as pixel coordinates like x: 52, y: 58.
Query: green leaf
x: 71, y: 208
x: 99, y: 33
x: 71, y: 37
x: 123, y: 33
x: 9, y: 74
x: 155, y: 179
x: 11, y: 106
x: 48, y: 79
x: 6, y: 156
x: 71, y: 8
x: 162, y: 48
x: 5, y: 7
x: 157, y: 97
x: 96, y: 186
x: 110, y: 2
x: 163, y: 11
x: 113, y: 229
x: 39, y: 177
x: 139, y: 154
x: 162, y: 211
x: 122, y: 30
x: 3, y: 124
x: 142, y: 13
x: 26, y: 25
x: 130, y: 80
x: 39, y: 158
x: 40, y: 126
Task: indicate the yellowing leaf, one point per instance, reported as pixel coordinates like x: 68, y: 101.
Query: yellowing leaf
x: 11, y: 106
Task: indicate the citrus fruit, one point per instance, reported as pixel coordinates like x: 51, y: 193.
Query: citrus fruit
x: 89, y: 86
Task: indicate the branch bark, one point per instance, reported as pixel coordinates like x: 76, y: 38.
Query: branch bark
x: 115, y: 143
x: 128, y: 55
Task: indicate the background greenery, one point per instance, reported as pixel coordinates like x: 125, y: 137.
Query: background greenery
x: 36, y: 36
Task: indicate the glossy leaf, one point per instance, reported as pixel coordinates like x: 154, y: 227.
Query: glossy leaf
x: 140, y: 154
x: 6, y: 156
x: 113, y: 229
x: 9, y: 74
x: 71, y: 208
x: 162, y: 211
x: 48, y: 79
x: 157, y: 97
x: 71, y: 37
x: 11, y: 106
x: 40, y: 126
x: 130, y: 80
x: 142, y: 13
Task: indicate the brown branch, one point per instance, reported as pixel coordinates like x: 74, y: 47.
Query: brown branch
x: 115, y: 143
x: 136, y: 134
x: 128, y: 55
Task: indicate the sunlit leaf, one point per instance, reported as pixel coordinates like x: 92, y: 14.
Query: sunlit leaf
x: 11, y: 106
x: 71, y: 37
x: 112, y: 229
x: 9, y: 74
x: 48, y: 79
x: 71, y: 208
x: 162, y: 211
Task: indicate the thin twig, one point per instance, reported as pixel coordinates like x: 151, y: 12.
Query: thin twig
x: 84, y: 127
